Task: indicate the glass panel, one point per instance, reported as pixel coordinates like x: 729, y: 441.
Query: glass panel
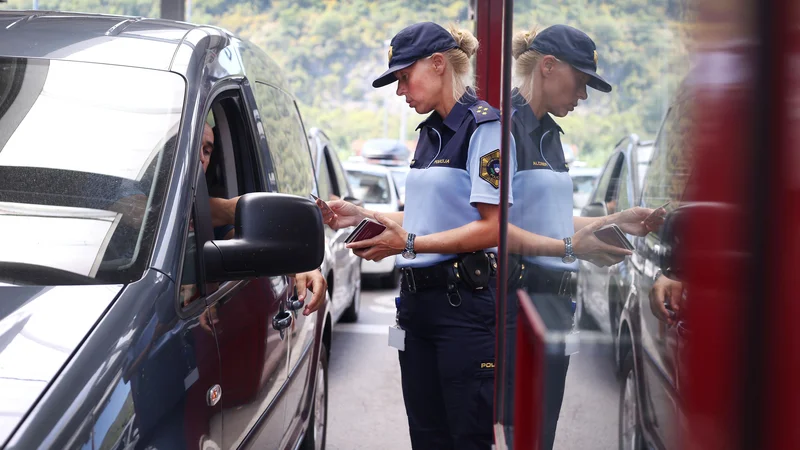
x: 85, y: 154
x: 572, y: 133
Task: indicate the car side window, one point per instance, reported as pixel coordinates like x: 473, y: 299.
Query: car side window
x: 623, y: 197
x: 226, y: 151
x: 669, y: 168
x: 286, y: 138
x: 326, y: 188
x: 605, y: 180
x: 341, y: 179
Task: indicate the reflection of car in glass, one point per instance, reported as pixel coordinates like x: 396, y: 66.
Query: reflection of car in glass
x: 374, y: 185
x: 341, y: 267
x: 649, y: 350
x: 601, y: 291
x: 125, y: 322
x: 584, y: 180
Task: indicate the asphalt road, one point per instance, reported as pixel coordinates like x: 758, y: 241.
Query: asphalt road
x: 366, y: 405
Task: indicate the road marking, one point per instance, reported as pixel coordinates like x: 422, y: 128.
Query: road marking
x: 361, y: 328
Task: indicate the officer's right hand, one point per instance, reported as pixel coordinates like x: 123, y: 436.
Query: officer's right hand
x: 587, y: 247
x: 339, y: 214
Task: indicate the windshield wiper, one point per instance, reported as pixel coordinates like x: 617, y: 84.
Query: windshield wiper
x: 34, y: 274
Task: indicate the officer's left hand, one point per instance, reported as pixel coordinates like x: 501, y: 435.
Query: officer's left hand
x: 632, y: 221
x: 391, y: 242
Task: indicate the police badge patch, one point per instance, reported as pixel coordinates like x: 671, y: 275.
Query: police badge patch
x: 490, y: 168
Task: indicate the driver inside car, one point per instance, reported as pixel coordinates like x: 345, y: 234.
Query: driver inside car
x: 223, y: 213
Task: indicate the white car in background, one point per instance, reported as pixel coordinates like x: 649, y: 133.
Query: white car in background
x: 584, y: 179
x: 375, y: 186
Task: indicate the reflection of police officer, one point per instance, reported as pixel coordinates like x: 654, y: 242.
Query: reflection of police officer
x: 449, y: 229
x: 554, y: 68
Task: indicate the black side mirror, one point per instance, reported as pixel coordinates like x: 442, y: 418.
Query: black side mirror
x: 276, y: 234
x: 675, y: 254
x: 593, y: 210
x: 401, y: 207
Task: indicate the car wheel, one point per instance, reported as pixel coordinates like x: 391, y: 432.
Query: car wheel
x: 630, y: 429
x: 584, y: 321
x: 351, y: 313
x: 391, y: 280
x: 318, y: 422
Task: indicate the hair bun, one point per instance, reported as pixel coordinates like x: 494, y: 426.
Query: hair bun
x: 522, y: 42
x: 465, y: 40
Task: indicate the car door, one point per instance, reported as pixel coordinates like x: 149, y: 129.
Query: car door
x: 289, y: 152
x: 248, y: 315
x: 593, y: 279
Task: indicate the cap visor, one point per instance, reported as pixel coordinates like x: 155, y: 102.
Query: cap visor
x: 596, y: 81
x: 388, y: 77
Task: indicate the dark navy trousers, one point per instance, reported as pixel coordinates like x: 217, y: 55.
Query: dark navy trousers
x: 448, y: 368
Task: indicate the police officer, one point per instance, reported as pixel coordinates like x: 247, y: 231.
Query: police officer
x: 554, y: 68
x: 447, y: 236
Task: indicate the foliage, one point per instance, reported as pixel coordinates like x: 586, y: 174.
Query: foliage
x: 331, y: 50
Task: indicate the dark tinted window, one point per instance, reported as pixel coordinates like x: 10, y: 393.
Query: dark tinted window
x: 286, y: 139
x: 669, y: 170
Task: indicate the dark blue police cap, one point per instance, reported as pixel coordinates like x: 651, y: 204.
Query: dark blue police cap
x: 412, y: 44
x: 573, y: 46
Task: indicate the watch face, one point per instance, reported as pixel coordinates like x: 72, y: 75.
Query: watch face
x: 409, y: 255
x: 569, y: 259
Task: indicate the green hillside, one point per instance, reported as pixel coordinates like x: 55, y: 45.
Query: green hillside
x: 331, y: 51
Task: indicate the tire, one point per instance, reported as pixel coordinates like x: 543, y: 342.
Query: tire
x: 630, y: 427
x: 351, y: 313
x: 317, y: 430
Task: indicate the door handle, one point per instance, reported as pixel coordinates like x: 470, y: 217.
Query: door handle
x: 295, y: 304
x: 282, y: 321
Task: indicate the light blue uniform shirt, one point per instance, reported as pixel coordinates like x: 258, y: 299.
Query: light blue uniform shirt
x: 456, y: 166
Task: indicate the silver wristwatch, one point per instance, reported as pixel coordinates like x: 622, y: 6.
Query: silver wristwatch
x: 408, y: 252
x: 569, y: 256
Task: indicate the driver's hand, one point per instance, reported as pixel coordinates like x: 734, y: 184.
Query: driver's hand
x: 311, y: 281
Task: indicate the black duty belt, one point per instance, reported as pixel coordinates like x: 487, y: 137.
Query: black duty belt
x: 540, y: 279
x: 439, y: 276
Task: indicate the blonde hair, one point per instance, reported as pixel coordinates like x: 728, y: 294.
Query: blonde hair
x: 526, y: 62
x: 459, y: 60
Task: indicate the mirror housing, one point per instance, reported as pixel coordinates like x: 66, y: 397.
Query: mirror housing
x: 674, y: 255
x: 594, y: 210
x: 275, y: 234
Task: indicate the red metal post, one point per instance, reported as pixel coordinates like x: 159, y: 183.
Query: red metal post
x: 489, y: 24
x: 781, y: 393
x: 529, y: 376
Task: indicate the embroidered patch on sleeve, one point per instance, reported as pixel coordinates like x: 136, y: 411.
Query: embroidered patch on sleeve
x: 490, y: 168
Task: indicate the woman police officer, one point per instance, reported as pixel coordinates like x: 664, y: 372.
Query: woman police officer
x: 447, y: 235
x: 553, y: 67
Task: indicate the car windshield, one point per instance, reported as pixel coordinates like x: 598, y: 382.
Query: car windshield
x: 85, y: 151
x: 370, y: 187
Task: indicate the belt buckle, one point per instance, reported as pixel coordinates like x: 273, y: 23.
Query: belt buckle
x: 408, y: 274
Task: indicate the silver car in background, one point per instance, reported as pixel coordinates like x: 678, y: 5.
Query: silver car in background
x: 375, y: 186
